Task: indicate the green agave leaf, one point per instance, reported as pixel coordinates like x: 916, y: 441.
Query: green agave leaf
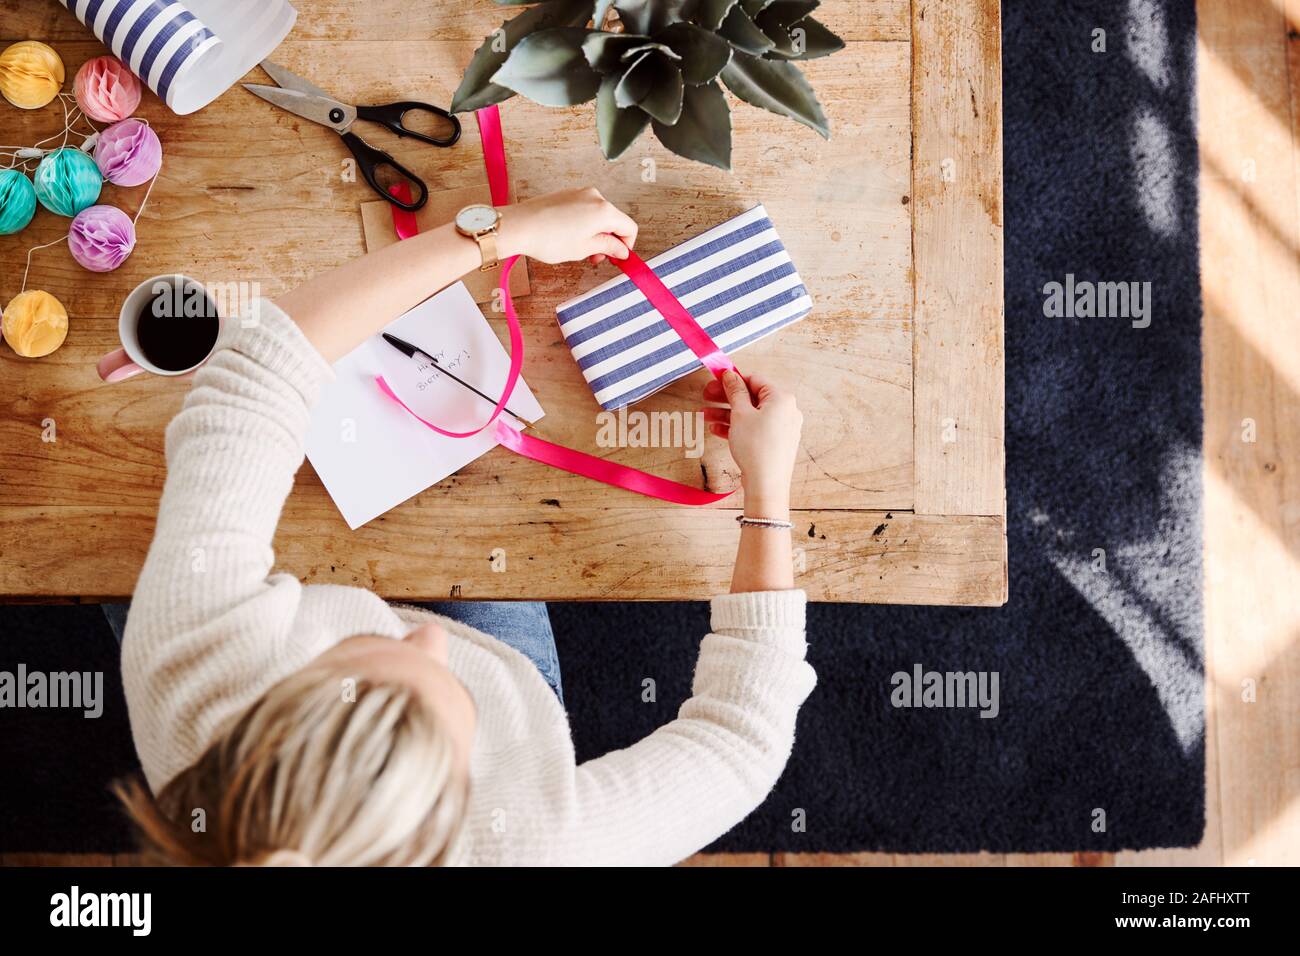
x: 549, y: 68
x: 635, y: 14
x: 655, y: 85
x: 815, y: 39
x: 785, y: 12
x: 775, y: 85
x: 743, y: 33
x: 649, y: 16
x: 634, y: 53
x: 703, y: 54
x: 668, y: 11
x: 617, y: 128
x: 778, y: 22
x: 783, y: 44
x: 703, y: 131
x: 667, y: 94
x: 476, y: 88
x: 604, y: 51
x: 633, y: 85
x: 755, y: 7
x: 710, y: 13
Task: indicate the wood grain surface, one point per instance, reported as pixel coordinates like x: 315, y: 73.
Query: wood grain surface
x: 957, y: 230
x: 252, y: 194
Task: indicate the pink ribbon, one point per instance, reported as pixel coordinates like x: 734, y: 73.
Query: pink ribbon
x: 675, y: 314
x: 403, y: 219
x: 494, y: 154
x: 512, y: 377
x: 659, y: 296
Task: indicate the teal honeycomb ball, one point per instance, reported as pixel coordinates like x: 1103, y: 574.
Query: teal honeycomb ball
x: 17, y: 201
x: 68, y: 181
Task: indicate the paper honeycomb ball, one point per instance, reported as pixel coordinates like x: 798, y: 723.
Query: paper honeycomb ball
x: 101, y: 237
x: 67, y: 181
x: 106, y: 90
x: 34, y: 324
x: 31, y: 74
x: 17, y: 201
x: 128, y: 153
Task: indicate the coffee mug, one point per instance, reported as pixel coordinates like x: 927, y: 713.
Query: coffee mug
x: 169, y: 325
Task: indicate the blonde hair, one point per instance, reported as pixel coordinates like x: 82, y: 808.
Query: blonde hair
x: 312, y: 775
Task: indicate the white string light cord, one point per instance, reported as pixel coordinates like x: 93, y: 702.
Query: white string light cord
x: 68, y: 125
x: 20, y: 156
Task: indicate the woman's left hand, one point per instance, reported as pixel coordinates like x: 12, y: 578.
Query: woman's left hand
x: 566, y: 226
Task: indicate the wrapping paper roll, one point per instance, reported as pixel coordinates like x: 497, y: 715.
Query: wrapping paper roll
x: 190, y: 52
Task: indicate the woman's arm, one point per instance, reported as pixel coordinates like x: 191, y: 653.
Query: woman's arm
x: 762, y: 425
x: 340, y: 309
x: 234, y: 447
x: 679, y: 789
x: 697, y: 776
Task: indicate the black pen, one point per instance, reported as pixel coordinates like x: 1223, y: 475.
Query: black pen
x: 409, y: 350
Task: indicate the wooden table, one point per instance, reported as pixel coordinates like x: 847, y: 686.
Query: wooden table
x: 895, y: 225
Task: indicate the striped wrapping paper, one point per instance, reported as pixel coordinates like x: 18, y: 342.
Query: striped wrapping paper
x: 188, y: 53
x: 738, y: 282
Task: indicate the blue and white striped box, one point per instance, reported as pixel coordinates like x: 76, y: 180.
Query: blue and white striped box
x: 738, y: 282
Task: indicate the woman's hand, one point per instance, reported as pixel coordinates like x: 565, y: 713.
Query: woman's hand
x: 345, y: 306
x: 762, y: 426
x: 565, y: 226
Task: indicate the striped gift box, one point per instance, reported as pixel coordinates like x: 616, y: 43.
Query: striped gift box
x: 738, y: 282
x: 188, y: 53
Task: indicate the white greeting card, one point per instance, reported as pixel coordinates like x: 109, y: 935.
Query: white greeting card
x: 371, y: 453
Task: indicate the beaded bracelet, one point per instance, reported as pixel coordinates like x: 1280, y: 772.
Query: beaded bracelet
x: 777, y: 523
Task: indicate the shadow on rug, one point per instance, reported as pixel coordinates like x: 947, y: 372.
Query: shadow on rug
x: 1100, y: 665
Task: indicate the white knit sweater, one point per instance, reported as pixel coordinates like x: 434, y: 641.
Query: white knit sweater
x: 212, y: 627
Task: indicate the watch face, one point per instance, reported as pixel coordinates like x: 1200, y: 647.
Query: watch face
x: 476, y: 218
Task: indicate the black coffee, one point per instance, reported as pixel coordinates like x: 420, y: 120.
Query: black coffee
x: 178, y: 328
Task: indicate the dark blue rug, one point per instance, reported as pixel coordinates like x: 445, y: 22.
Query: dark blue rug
x: 1098, y: 740
x: 1099, y: 649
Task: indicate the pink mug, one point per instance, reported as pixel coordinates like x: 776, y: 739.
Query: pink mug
x: 130, y: 359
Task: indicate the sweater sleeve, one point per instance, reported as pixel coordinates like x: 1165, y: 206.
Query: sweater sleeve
x: 693, y: 779
x: 232, y: 452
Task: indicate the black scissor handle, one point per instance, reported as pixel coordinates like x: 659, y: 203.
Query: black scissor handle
x: 372, y: 160
x: 393, y: 114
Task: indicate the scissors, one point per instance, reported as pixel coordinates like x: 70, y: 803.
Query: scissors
x: 310, y: 102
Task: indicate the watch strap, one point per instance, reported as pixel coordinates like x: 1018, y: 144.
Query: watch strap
x: 487, y: 247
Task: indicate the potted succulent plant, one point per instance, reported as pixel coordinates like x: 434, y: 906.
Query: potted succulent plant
x: 663, y: 67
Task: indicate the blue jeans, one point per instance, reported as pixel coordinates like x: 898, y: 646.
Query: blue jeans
x: 524, y: 625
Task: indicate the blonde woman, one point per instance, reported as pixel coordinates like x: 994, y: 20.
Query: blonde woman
x: 281, y: 723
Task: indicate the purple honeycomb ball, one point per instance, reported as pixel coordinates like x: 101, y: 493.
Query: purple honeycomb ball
x: 101, y: 237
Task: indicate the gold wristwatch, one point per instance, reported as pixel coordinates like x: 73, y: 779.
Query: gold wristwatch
x: 479, y: 223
